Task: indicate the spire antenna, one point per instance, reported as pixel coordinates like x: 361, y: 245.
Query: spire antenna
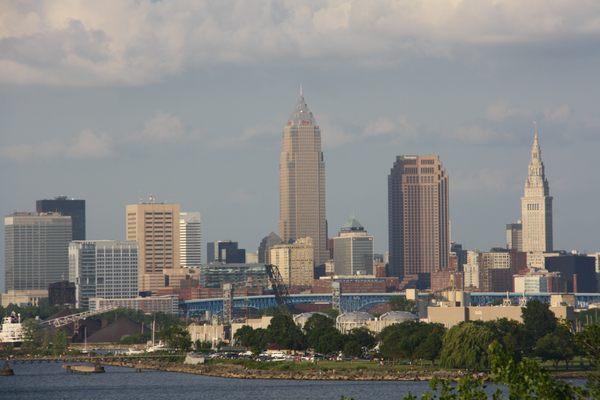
x: 301, y: 91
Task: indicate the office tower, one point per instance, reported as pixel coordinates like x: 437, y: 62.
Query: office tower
x: 62, y: 294
x: 251, y: 257
x: 536, y: 205
x: 190, y: 239
x: 302, y: 182
x: 155, y: 227
x: 514, y: 236
x: 266, y: 243
x: 295, y: 261
x: 225, y: 251
x: 417, y: 215
x: 353, y: 250
x: 579, y: 272
x: 35, y: 252
x: 460, y: 253
x: 103, y: 268
x: 66, y: 206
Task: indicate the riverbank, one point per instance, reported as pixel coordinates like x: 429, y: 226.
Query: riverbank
x: 301, y: 371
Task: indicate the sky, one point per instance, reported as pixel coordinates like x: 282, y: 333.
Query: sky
x: 113, y: 101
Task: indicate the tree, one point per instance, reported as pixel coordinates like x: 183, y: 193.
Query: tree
x: 538, y: 320
x: 430, y: 348
x: 284, y: 332
x: 363, y: 337
x: 315, y: 327
x: 352, y: 349
x: 409, y: 340
x: 466, y: 346
x: 330, y: 343
x: 399, y: 303
x: 33, y: 336
x: 244, y: 336
x: 511, y: 335
x: 556, y: 346
x: 59, y: 342
x: 177, y: 337
x: 260, y: 340
x: 588, y: 342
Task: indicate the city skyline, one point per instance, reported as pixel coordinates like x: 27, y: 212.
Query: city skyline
x: 209, y: 126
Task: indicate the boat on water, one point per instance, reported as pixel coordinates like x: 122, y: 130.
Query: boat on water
x: 6, y: 370
x: 12, y: 329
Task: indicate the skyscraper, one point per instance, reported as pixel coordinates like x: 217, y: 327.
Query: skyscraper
x: 536, y: 204
x: 225, y: 251
x: 266, y: 243
x: 103, y: 268
x: 514, y: 236
x: 190, y: 239
x: 155, y: 227
x: 417, y: 215
x: 353, y: 250
x: 302, y: 182
x: 35, y: 251
x: 66, y: 206
x: 295, y: 261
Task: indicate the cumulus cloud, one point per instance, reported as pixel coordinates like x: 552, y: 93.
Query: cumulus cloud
x: 86, y: 145
x: 502, y: 110
x: 559, y: 113
x: 133, y: 42
x: 161, y: 128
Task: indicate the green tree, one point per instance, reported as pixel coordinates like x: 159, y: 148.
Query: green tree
x: 556, y: 346
x: 466, y: 346
x: 410, y: 340
x: 330, y: 343
x: 588, y: 342
x: 202, y: 345
x: 33, y: 336
x: 59, y: 342
x: 176, y: 337
x: 284, y: 332
x: 260, y: 340
x: 352, y: 349
x: 400, y: 303
x: 315, y: 327
x: 511, y: 335
x: 363, y: 337
x: 538, y: 320
x: 244, y: 336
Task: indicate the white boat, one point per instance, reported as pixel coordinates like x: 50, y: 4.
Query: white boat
x: 12, y: 329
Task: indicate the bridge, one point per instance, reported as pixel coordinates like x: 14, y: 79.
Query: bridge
x: 71, y: 318
x: 363, y: 301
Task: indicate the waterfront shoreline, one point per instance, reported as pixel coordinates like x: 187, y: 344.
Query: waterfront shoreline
x: 232, y: 371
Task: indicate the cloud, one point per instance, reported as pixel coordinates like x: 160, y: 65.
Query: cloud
x: 502, y: 110
x: 475, y: 134
x: 132, y: 42
x: 161, y: 128
x: 559, y: 113
x: 86, y: 145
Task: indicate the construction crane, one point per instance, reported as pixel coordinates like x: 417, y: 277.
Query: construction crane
x: 69, y: 319
x: 280, y: 290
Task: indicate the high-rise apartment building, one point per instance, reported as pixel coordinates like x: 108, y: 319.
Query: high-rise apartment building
x: 35, y: 251
x: 225, y: 251
x: 514, y: 236
x: 302, y: 182
x: 295, y: 261
x: 190, y: 239
x: 103, y: 268
x: 417, y: 215
x: 536, y: 205
x: 155, y: 227
x: 353, y: 250
x: 69, y: 207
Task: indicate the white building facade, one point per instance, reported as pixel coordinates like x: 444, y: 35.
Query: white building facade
x: 353, y: 250
x: 190, y: 239
x: 103, y: 268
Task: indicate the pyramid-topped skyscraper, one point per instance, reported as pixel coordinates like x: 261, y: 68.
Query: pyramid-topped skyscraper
x: 302, y: 181
x: 536, y: 204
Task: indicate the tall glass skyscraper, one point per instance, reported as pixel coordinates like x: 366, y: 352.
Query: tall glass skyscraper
x: 65, y: 206
x: 302, y: 182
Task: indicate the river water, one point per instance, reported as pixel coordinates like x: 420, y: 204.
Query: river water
x: 49, y: 381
